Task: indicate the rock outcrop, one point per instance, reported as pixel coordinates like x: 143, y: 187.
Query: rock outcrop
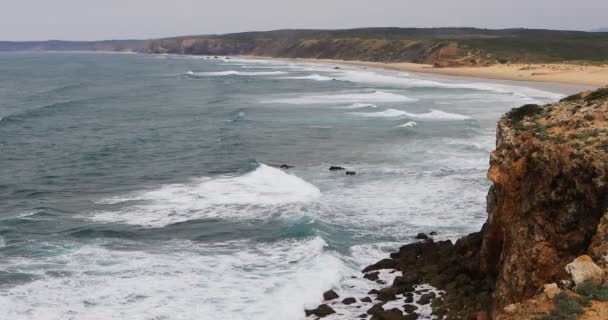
x: 547, y: 210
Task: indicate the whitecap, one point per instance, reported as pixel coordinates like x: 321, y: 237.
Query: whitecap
x: 316, y: 77
x: 376, y: 96
x: 240, y: 280
x: 2, y: 242
x: 234, y: 73
x: 409, y: 124
x: 246, y: 196
x: 433, y: 114
x: 359, y: 106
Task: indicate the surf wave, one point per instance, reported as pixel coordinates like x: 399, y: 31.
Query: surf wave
x: 233, y: 73
x: 240, y: 280
x: 316, y: 77
x: 227, y: 197
x: 359, y: 106
x: 376, y: 96
x: 433, y: 114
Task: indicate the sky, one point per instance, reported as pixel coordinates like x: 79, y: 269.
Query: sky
x: 144, y: 19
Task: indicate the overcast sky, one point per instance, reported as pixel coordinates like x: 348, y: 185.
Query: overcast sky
x: 124, y: 19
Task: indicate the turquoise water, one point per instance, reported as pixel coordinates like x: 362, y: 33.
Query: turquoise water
x: 145, y: 187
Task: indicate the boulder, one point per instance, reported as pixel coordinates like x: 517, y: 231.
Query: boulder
x: 551, y: 290
x: 350, y: 173
x: 363, y: 315
x: 382, y: 264
x: 411, y: 316
x: 426, y: 298
x: 392, y: 314
x: 583, y: 269
x: 336, y: 168
x: 422, y: 236
x: 376, y: 308
x: 409, y: 308
x: 330, y: 295
x: 387, y: 294
x: 373, y: 276
x: 349, y: 300
x: 321, y: 311
x: 366, y: 299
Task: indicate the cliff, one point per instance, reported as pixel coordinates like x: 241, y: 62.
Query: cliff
x: 538, y: 253
x: 550, y: 191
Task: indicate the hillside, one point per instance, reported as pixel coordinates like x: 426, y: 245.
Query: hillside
x: 440, y: 46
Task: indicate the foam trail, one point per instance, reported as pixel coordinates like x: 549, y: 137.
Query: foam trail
x: 247, y: 196
x: 376, y: 96
x: 432, y: 115
x: 234, y: 73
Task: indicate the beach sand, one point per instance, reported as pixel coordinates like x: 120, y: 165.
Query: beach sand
x: 584, y: 75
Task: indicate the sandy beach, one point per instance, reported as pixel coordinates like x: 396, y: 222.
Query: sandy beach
x: 594, y: 76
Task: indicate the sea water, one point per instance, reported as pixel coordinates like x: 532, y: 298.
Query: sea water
x: 147, y: 187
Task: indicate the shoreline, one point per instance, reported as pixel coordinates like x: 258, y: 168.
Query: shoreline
x: 559, y: 73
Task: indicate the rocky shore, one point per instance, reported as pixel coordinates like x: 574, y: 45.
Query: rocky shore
x: 543, y: 251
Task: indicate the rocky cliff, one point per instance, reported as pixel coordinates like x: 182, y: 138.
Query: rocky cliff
x: 538, y: 253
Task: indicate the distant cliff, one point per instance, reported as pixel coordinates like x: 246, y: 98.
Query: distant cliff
x: 439, y: 46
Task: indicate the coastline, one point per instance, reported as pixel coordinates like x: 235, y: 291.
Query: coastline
x: 570, y: 74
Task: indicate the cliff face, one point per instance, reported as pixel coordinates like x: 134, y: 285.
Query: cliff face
x: 549, y: 194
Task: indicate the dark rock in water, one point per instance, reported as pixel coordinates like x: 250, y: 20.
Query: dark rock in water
x: 336, y: 68
x: 409, y: 297
x: 409, y: 308
x: 349, y: 300
x: 373, y: 291
x: 392, y: 314
x: 321, y: 311
x: 351, y: 173
x: 285, y: 166
x: 387, y: 294
x: 216, y: 57
x: 363, y: 316
x: 422, y: 236
x: 426, y: 298
x: 411, y: 316
x: 366, y: 299
x: 382, y: 282
x: 336, y: 168
x: 382, y: 264
x: 376, y: 308
x: 433, y: 233
x: 330, y: 295
x: 372, y: 276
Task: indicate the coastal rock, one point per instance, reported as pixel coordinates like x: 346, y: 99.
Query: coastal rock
x: 330, y: 295
x: 336, y: 168
x: 382, y: 264
x: 409, y: 308
x: 387, y: 294
x: 392, y: 314
x: 351, y: 173
x: 349, y: 301
x: 411, y: 316
x: 551, y: 290
x: 285, y: 166
x: 583, y: 269
x: 422, y: 236
x: 372, y: 276
x: 376, y: 308
x: 321, y: 311
x: 426, y: 298
x: 366, y: 299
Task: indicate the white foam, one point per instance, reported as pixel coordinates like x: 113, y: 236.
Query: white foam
x: 315, y: 77
x: 234, y: 72
x: 433, y: 114
x: 173, y: 280
x: 359, y: 106
x: 409, y: 124
x: 245, y: 196
x: 376, y: 96
x: 2, y: 242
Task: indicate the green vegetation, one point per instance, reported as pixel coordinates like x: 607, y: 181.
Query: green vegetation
x: 593, y: 291
x: 567, y: 307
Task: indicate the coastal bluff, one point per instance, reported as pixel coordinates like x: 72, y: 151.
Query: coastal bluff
x: 543, y: 251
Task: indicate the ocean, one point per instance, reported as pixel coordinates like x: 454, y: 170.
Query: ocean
x: 148, y: 186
